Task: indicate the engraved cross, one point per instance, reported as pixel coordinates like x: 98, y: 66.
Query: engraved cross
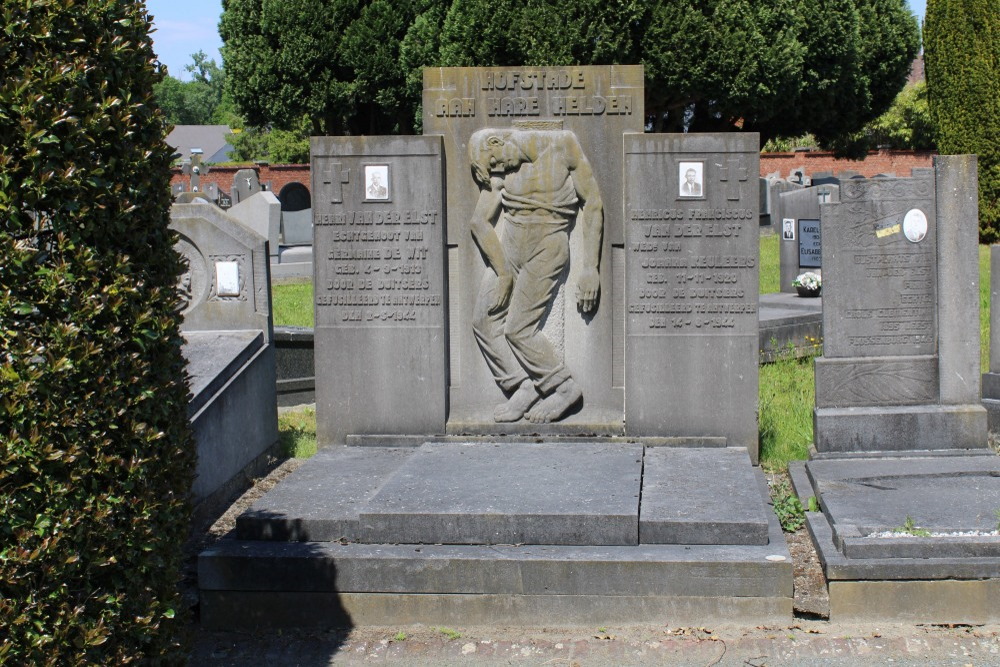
x: 333, y: 180
x: 733, y: 175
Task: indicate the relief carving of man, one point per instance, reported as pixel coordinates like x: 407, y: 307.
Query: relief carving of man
x: 538, y: 182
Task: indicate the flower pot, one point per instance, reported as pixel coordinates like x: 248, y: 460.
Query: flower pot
x: 808, y: 292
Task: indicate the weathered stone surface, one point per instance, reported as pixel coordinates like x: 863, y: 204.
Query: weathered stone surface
x: 214, y: 245
x: 682, y: 505
x: 789, y: 326
x: 248, y: 610
x: 509, y: 494
x: 900, y: 316
x: 228, y: 347
x: 863, y: 496
x: 691, y: 286
x: 898, y: 428
x: 261, y: 212
x: 594, y: 106
x: 321, y: 500
x: 838, y: 567
x: 380, y: 289
x: 971, y: 602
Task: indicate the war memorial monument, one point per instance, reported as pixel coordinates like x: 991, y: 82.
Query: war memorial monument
x: 536, y: 363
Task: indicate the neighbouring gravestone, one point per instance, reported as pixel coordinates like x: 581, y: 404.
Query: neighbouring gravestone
x: 246, y: 183
x: 991, y: 379
x: 228, y: 346
x: 551, y: 139
x: 691, y: 286
x: 261, y: 212
x: 380, y: 289
x: 801, y: 240
x: 296, y: 227
x: 900, y: 369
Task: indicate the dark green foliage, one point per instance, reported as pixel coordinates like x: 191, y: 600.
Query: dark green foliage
x: 962, y: 59
x: 95, y: 449
x: 787, y: 506
x: 200, y: 101
x: 783, y: 67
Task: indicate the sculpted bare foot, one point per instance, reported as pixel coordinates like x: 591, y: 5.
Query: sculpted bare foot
x: 555, y: 405
x: 515, y: 407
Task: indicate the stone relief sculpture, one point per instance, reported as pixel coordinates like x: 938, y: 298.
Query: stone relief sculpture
x: 538, y: 182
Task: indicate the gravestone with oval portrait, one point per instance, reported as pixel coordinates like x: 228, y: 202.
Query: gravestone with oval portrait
x: 900, y: 369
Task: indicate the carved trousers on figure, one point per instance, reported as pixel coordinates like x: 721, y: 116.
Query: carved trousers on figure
x: 511, y: 338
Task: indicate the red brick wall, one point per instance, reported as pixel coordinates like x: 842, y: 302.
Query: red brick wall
x: 278, y: 175
x: 877, y: 162
x: 880, y: 162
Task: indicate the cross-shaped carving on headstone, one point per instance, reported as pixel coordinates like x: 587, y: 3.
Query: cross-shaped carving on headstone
x: 194, y: 169
x: 732, y: 176
x: 333, y: 179
x: 824, y: 196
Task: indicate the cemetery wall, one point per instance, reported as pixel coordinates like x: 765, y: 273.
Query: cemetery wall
x: 877, y: 162
x: 880, y: 162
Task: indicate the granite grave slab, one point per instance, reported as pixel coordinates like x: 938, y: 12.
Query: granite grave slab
x: 380, y: 291
x: 691, y: 286
x: 681, y: 506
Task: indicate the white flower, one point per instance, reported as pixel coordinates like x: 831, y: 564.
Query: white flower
x: 808, y: 280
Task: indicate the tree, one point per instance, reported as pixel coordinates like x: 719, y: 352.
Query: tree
x: 96, y: 457
x: 962, y: 61
x: 784, y: 67
x: 199, y: 101
x: 907, y: 124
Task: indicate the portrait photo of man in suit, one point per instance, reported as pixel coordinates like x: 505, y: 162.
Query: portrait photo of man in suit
x: 691, y: 179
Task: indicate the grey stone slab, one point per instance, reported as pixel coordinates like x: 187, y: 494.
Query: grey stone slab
x: 899, y: 428
x: 691, y: 285
x: 940, y: 494
x: 553, y: 440
x: 896, y: 380
x: 213, y: 357
x: 380, y: 290
x: 297, y: 227
x: 938, y: 602
x: 261, y: 212
x: 956, y: 179
x: 683, y: 505
x: 509, y: 494
x: 838, y: 567
x: 700, y: 570
x: 322, y: 499
x: 585, y: 111
x: 863, y: 497
x: 237, y: 610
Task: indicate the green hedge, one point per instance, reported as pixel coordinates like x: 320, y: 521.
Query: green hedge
x: 962, y: 54
x: 96, y: 456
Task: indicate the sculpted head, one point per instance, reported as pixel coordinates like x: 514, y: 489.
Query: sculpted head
x: 493, y: 151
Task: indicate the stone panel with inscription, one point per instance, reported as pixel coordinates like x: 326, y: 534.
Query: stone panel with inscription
x: 880, y: 265
x: 691, y: 286
x: 801, y: 240
x: 586, y: 110
x: 380, y: 292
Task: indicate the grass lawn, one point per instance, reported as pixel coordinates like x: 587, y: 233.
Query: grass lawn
x: 786, y: 395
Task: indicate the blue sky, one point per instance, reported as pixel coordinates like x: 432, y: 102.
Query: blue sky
x: 184, y: 27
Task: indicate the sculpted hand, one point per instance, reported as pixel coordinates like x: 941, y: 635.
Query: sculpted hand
x: 587, y: 289
x: 505, y: 285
